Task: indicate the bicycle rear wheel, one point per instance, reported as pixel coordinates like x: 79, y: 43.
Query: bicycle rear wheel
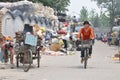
x: 17, y: 60
x: 85, y: 58
x: 27, y: 60
x: 38, y: 58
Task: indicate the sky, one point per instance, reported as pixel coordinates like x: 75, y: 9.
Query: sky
x: 76, y: 6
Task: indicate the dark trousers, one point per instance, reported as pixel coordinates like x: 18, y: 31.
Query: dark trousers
x: 83, y: 51
x: 74, y: 28
x: 6, y: 55
x: 65, y: 43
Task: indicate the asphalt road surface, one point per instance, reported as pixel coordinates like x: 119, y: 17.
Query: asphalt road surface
x: 100, y: 67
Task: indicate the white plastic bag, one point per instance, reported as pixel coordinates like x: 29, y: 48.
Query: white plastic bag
x: 55, y: 41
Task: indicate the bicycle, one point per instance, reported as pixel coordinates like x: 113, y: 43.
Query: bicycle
x: 25, y: 54
x: 27, y: 59
x: 86, y: 46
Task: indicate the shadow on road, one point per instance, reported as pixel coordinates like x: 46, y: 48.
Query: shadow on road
x: 20, y: 68
x: 117, y: 62
x: 79, y: 67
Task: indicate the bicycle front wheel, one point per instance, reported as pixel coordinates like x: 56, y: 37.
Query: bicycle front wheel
x: 85, y: 59
x: 27, y: 60
x: 17, y: 60
x: 38, y: 59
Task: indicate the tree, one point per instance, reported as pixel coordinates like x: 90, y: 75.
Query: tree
x: 92, y: 16
x: 110, y: 5
x: 96, y: 21
x: 104, y: 20
x: 117, y: 11
x: 83, y: 14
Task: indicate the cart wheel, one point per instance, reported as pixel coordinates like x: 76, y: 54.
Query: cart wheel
x: 17, y: 60
x: 27, y: 60
x: 38, y: 58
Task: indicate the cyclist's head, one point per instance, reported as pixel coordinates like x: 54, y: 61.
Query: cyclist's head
x: 86, y: 24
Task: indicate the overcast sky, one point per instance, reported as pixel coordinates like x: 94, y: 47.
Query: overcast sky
x: 76, y: 5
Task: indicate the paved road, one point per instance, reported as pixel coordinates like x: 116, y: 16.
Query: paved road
x: 100, y: 67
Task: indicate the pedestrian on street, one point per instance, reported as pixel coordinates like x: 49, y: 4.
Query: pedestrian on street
x: 74, y: 23
x: 65, y: 39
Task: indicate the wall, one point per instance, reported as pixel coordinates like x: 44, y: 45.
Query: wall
x: 8, y: 25
x: 18, y: 24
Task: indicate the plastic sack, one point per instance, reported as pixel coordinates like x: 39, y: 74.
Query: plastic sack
x: 55, y: 41
x: 61, y: 42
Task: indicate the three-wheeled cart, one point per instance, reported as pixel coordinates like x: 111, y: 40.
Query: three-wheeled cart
x: 27, y: 48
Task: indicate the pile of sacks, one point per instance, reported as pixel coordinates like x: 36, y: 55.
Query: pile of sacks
x: 55, y: 46
x: 37, y: 31
x: 44, y: 11
x: 38, y: 8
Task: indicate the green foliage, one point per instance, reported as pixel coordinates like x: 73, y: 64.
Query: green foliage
x: 117, y: 12
x: 83, y: 14
x: 98, y: 20
x: 104, y: 20
x: 111, y: 7
x: 92, y: 16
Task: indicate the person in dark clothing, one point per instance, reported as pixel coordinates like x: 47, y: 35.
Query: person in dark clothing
x: 65, y: 43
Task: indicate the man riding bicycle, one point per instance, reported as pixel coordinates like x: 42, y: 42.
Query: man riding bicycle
x: 86, y: 33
